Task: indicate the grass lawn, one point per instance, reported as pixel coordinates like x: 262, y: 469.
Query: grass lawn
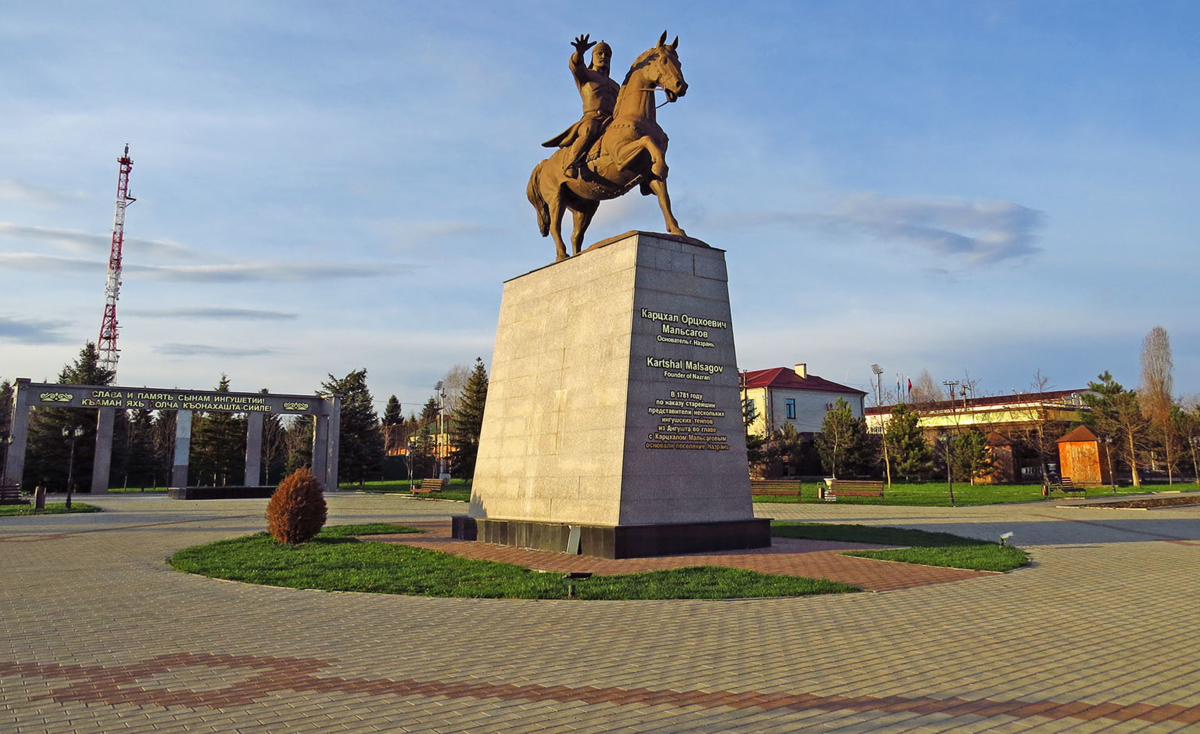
x: 335, y: 561
x: 457, y: 489
x: 937, y: 494
x: 52, y: 508
x: 924, y: 548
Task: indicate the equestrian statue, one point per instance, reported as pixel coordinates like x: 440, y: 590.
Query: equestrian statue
x: 616, y: 145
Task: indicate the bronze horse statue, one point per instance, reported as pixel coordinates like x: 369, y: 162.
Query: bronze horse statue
x: 631, y: 152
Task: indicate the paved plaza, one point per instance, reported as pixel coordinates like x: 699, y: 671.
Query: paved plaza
x: 99, y: 635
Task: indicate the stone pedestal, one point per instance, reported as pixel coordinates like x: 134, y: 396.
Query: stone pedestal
x: 614, y: 408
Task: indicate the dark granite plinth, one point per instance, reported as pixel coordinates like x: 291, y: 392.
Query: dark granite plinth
x: 620, y: 541
x: 219, y: 493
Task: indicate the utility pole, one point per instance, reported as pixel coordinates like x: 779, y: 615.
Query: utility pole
x: 107, y: 343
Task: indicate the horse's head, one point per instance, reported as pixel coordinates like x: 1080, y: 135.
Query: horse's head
x: 660, y: 67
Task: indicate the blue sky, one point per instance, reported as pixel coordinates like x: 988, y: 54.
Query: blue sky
x: 986, y: 189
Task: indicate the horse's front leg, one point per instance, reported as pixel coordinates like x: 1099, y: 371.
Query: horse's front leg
x: 630, y: 151
x: 659, y: 187
x: 554, y: 202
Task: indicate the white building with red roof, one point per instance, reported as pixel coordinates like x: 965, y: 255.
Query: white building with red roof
x: 793, y: 395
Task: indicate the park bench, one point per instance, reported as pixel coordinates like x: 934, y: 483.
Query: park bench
x: 10, y: 494
x: 430, y: 486
x: 852, y: 488
x: 1065, y: 485
x: 784, y: 487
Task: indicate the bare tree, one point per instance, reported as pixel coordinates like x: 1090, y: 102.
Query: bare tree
x: 925, y: 390
x: 1043, y: 432
x: 453, y: 383
x: 1155, y: 394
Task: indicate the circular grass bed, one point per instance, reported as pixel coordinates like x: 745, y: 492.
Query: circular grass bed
x: 337, y: 561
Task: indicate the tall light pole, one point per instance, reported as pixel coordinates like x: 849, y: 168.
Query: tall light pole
x: 74, y: 435
x: 887, y: 464
x: 441, y: 428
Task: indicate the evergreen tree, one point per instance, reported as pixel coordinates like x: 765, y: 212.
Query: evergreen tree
x: 1115, y: 412
x: 468, y: 421
x: 274, y: 449
x: 843, y: 443
x: 391, y: 412
x: 971, y: 456
x: 48, y: 452
x: 429, y: 412
x: 6, y: 402
x: 785, y: 447
x: 361, y: 442
x: 909, y: 451
x: 218, y: 451
x: 299, y: 439
x: 139, y: 468
x: 424, y: 450
x: 163, y: 440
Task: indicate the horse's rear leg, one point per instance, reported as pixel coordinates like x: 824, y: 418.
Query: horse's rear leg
x: 582, y: 214
x: 659, y: 187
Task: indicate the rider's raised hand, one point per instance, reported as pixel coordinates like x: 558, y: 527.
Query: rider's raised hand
x: 582, y: 44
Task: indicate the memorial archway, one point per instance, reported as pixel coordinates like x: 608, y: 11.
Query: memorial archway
x: 325, y: 409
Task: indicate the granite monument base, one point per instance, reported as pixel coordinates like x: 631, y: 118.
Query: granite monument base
x: 614, y: 408
x: 620, y: 541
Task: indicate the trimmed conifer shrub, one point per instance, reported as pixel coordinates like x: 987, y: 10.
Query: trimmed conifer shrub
x: 296, y: 511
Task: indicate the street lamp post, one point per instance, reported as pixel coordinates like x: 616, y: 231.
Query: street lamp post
x: 441, y: 428
x: 947, y: 440
x: 1112, y: 478
x: 412, y: 447
x: 74, y: 435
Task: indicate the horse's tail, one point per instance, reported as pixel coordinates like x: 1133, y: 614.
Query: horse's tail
x: 534, y: 192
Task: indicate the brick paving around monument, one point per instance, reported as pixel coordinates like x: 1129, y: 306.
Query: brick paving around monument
x: 817, y: 559
x: 99, y: 635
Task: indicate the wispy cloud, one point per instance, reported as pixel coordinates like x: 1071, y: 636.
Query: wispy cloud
x: 30, y: 331
x: 26, y: 193
x: 408, y: 235
x: 208, y: 350
x: 977, y: 231
x: 30, y: 261
x: 222, y: 314
x: 283, y: 272
x: 280, y: 272
x: 77, y: 241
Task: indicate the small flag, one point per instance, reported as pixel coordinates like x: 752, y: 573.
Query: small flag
x: 910, y: 386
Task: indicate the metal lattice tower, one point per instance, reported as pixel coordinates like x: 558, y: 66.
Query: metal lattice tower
x: 107, y: 344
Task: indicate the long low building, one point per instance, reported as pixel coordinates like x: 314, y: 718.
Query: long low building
x: 1016, y: 411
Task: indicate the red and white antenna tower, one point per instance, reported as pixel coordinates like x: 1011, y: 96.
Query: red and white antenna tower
x: 112, y: 289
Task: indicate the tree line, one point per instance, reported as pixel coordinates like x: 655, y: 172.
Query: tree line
x: 144, y: 441
x: 1147, y: 429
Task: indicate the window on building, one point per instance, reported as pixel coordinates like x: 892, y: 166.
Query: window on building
x: 791, y: 408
